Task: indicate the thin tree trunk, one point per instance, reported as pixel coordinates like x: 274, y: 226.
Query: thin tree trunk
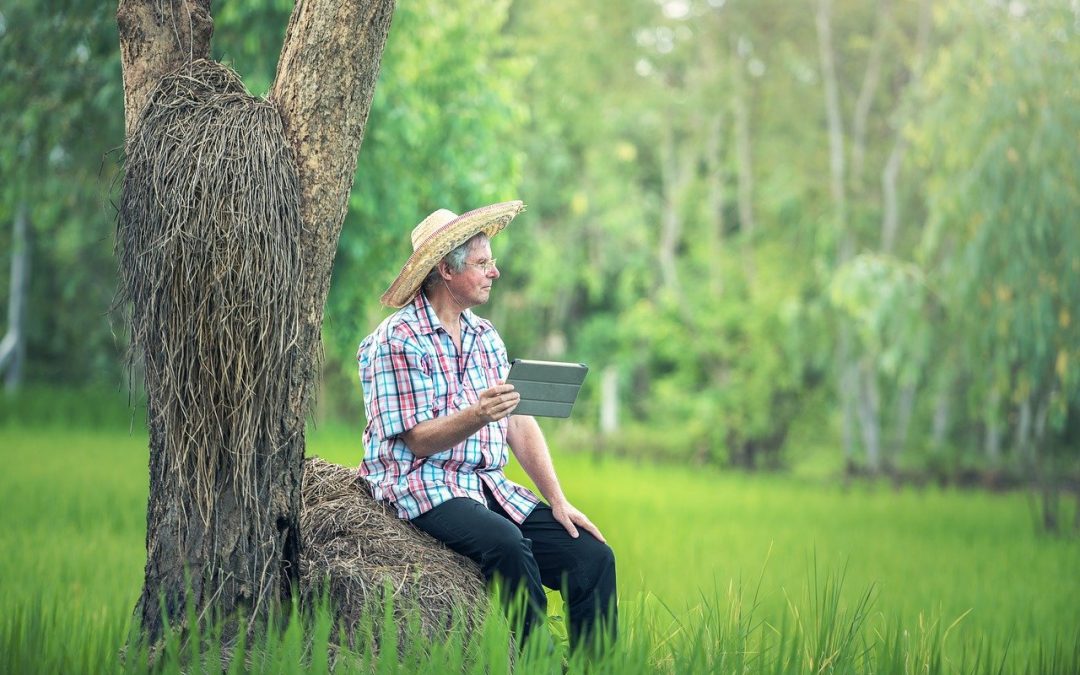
x: 670, y: 218
x: 609, y: 401
x: 890, y: 175
x: 939, y: 428
x: 848, y: 375
x: 715, y: 196
x: 905, y: 408
x: 1022, y: 441
x: 240, y: 561
x: 13, y: 346
x: 991, y: 418
x: 744, y: 158
x: 869, y: 407
x: 1045, y: 469
x: 837, y: 166
x: 865, y: 99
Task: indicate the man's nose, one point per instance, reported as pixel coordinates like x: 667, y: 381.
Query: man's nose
x: 494, y: 273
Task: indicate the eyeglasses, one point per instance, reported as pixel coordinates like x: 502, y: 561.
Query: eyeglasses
x: 486, y: 265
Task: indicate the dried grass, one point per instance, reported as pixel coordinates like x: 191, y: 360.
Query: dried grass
x: 358, y: 548
x: 208, y: 241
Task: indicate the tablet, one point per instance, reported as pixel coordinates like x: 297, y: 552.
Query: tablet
x: 547, y: 388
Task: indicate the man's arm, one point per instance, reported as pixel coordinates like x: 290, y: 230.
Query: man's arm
x: 442, y: 433
x: 527, y: 441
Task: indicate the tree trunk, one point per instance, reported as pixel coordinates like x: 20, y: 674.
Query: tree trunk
x: 156, y: 38
x: 869, y: 407
x: 237, y: 560
x: 13, y: 346
x: 867, y: 92
x: 714, y: 200
x: 1022, y: 442
x: 940, y: 425
x: 740, y: 110
x: 991, y: 418
x: 890, y: 175
x: 905, y: 408
x: 609, y: 401
x: 848, y: 370
x: 673, y: 176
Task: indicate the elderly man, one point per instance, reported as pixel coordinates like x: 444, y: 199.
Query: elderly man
x: 440, y: 418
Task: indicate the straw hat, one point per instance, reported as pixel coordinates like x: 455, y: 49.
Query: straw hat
x: 437, y: 235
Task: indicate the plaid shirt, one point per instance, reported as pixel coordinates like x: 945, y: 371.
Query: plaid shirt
x: 411, y: 371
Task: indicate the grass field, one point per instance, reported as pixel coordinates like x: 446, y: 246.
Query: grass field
x: 957, y: 581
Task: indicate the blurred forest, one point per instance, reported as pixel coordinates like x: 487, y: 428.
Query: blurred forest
x: 770, y: 227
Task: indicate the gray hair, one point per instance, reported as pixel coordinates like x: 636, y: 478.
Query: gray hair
x: 455, y: 259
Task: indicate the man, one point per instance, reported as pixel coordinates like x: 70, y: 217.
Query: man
x: 440, y: 418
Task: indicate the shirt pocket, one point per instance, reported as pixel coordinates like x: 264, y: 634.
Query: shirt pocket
x: 490, y: 370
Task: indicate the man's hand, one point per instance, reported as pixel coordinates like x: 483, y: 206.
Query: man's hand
x: 497, y: 402
x: 571, y: 519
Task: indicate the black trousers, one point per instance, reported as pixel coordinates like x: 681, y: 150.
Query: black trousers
x: 527, y: 557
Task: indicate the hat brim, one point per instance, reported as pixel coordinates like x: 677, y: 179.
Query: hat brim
x: 487, y: 219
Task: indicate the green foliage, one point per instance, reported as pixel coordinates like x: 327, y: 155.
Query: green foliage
x: 884, y: 299
x: 62, y: 113
x: 681, y: 229
x: 443, y: 132
x: 998, y: 137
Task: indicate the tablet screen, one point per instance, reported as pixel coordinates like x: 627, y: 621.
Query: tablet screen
x: 547, y: 388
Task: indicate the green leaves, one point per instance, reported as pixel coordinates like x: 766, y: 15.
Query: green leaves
x: 1000, y: 131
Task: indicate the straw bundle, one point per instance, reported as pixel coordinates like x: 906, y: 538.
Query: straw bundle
x: 208, y: 240
x: 359, y: 548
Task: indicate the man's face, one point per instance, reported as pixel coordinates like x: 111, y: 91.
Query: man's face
x: 472, y: 285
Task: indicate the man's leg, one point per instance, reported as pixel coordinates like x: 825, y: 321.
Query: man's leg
x: 473, y: 530
x: 583, y: 569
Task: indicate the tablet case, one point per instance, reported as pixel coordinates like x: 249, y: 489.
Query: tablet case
x: 547, y: 388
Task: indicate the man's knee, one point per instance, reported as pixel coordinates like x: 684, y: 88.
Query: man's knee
x: 507, y: 545
x: 596, y: 567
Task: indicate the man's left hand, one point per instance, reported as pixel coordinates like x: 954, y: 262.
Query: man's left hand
x: 571, y: 519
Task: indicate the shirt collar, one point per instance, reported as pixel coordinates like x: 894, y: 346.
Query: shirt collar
x: 428, y: 321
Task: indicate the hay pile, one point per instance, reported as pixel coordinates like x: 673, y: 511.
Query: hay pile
x: 360, y: 547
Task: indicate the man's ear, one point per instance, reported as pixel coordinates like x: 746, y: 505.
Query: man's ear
x: 444, y: 270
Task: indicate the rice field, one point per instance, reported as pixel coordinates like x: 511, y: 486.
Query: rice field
x: 718, y: 572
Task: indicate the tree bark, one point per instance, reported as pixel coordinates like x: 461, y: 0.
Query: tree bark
x: 240, y: 562
x: 156, y: 38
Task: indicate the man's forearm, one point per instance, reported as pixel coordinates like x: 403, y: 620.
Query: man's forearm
x: 530, y: 448
x: 442, y: 433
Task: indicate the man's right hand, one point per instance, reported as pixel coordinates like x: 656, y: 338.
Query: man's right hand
x: 497, y: 402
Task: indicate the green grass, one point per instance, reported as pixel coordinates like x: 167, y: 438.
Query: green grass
x: 717, y: 571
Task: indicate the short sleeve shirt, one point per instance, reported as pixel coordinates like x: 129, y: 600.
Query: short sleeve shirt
x: 411, y: 372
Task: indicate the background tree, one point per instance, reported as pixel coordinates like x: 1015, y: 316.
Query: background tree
x: 1002, y: 246
x: 59, y: 120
